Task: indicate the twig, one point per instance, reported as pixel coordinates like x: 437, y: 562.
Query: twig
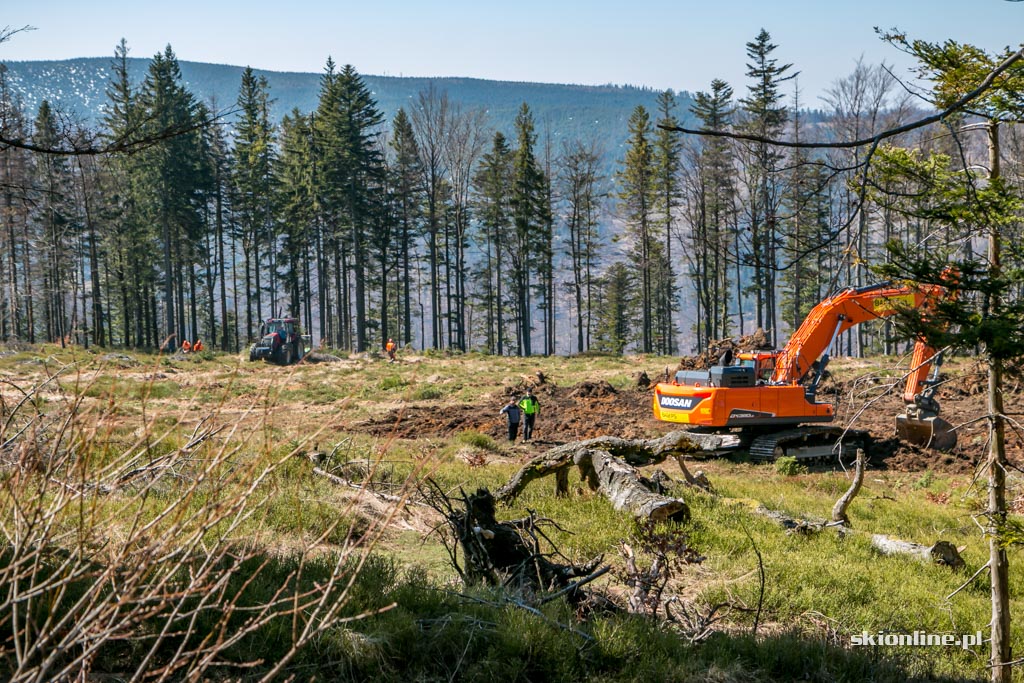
x: 352, y: 485
x: 573, y: 586
x: 760, y: 569
x: 968, y: 581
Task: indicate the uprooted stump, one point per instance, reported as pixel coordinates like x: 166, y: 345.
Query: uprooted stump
x: 504, y: 553
x: 608, y: 465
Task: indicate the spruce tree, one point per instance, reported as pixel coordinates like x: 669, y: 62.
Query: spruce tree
x: 668, y: 157
x: 492, y: 184
x: 528, y: 227
x: 637, y: 194
x: 253, y: 174
x: 171, y: 183
x: 765, y: 116
x: 406, y: 181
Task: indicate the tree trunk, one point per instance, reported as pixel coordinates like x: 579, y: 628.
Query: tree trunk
x: 620, y: 483
x: 999, y: 564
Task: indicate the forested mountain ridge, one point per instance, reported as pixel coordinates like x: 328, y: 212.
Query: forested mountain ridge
x: 567, y: 111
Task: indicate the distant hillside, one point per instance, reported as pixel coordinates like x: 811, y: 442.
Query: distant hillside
x: 566, y: 111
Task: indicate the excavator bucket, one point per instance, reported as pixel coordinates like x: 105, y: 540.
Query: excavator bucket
x: 929, y: 432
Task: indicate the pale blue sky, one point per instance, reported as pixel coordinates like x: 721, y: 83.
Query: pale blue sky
x: 656, y: 43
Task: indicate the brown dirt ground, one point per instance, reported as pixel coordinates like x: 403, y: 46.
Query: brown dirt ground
x: 590, y: 409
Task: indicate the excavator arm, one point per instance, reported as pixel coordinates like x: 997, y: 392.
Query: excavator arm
x: 809, y: 345
x: 807, y: 352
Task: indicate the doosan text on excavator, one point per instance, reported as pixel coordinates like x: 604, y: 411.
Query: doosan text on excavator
x: 770, y: 396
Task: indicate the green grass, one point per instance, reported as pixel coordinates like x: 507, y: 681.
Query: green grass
x: 819, y: 589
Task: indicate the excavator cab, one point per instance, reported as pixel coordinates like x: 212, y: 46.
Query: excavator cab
x: 763, y: 363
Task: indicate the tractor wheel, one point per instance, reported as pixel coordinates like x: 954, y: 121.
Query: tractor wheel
x: 287, y: 354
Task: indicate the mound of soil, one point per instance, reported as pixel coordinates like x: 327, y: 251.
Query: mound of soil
x: 593, y: 390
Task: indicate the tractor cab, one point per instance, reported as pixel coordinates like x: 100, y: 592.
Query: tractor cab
x: 282, y: 326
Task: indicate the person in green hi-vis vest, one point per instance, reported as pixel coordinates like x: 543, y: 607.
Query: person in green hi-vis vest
x: 530, y: 406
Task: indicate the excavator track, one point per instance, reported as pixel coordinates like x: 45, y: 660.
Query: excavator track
x: 807, y: 443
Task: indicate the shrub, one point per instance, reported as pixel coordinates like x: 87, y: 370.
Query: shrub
x: 477, y: 440
x: 426, y: 393
x: 789, y: 466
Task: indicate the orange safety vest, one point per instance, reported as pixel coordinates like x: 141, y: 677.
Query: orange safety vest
x: 198, y: 346
x: 390, y: 346
x: 186, y: 346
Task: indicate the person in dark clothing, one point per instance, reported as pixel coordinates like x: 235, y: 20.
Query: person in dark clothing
x: 530, y: 405
x: 511, y: 411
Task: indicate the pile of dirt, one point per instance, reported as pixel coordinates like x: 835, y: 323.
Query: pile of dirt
x: 582, y: 411
x: 962, y: 397
x: 758, y: 341
x: 593, y: 390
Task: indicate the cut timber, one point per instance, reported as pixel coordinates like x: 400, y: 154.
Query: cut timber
x: 943, y: 552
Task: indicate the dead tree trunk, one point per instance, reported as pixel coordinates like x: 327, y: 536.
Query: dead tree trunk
x: 637, y: 453
x: 496, y: 552
x: 621, y: 484
x: 608, y: 465
x: 839, y: 509
x: 942, y: 552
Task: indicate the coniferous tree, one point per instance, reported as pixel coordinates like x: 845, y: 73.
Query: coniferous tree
x: 253, y: 170
x: 493, y: 183
x: 668, y: 164
x: 616, y: 303
x: 527, y: 220
x: 406, y: 181
x: 17, y: 320
x: 55, y: 220
x: 637, y: 192
x: 986, y: 314
x: 765, y: 116
x: 296, y: 199
x: 171, y: 184
x: 713, y: 240
x: 579, y: 179
x: 129, y: 233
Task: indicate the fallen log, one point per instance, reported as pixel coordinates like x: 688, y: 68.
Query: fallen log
x: 621, y: 484
x: 634, y: 452
x: 941, y: 552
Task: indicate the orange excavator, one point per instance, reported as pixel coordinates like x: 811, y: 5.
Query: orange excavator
x: 770, y: 396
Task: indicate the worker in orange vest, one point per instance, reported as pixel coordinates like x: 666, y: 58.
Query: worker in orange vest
x: 198, y: 346
x: 186, y: 346
x: 390, y: 348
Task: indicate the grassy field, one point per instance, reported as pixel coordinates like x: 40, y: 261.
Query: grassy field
x: 176, y: 516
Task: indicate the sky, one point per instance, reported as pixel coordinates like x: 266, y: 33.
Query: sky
x: 660, y: 44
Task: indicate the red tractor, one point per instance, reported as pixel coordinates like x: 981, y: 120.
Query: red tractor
x: 281, y: 341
